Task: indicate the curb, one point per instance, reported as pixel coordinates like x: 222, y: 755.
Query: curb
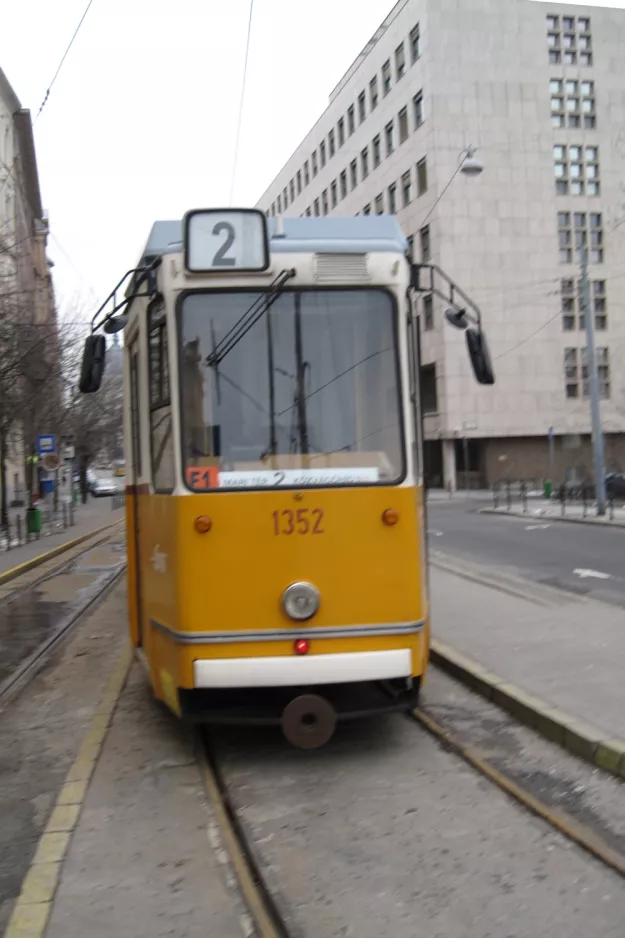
x: 21, y: 568
x: 549, y: 518
x: 579, y: 738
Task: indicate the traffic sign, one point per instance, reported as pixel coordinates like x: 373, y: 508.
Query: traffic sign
x: 46, y: 443
x: 51, y: 462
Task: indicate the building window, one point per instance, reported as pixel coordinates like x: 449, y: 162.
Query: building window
x: 306, y: 174
x: 406, y: 188
x: 379, y: 204
x: 568, y: 298
x: 573, y: 104
x: 367, y: 209
x: 424, y: 238
x: 402, y: 119
x: 334, y: 193
x: 415, y: 43
x: 324, y: 201
x: 429, y: 398
x: 308, y: 212
x: 279, y: 201
x: 299, y: 181
x: 362, y: 107
x: 331, y: 145
x: 353, y: 174
x: 377, y: 151
x: 364, y: 162
x: 351, y: 120
x: 569, y: 40
x: 341, y: 130
x: 161, y: 438
x: 576, y: 371
x: 400, y: 62
x: 343, y: 183
x: 410, y: 250
x: 428, y: 312
x: 388, y: 137
x: 422, y: 176
x: 600, y: 304
x: 392, y: 198
x: 373, y: 93
x: 417, y: 107
x: 285, y: 198
x: 386, y: 77
x: 314, y: 163
x: 576, y: 170
x: 316, y: 206
x: 577, y: 229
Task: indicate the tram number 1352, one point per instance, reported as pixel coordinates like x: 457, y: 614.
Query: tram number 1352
x: 300, y: 521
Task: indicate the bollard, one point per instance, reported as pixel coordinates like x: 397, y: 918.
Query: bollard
x: 71, y: 513
x: 7, y: 533
x: 611, y: 504
x: 524, y: 496
x: 64, y: 512
x: 584, y: 501
x: 18, y: 524
x: 562, y: 494
x: 509, y: 495
x: 496, y: 495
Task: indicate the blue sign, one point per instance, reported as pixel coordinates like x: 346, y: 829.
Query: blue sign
x: 46, y: 443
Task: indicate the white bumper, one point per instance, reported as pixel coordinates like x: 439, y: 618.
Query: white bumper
x: 293, y: 670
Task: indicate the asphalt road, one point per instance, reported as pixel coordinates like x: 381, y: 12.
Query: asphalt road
x: 538, y: 550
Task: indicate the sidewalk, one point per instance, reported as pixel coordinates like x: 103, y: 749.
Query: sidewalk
x: 567, y: 651
x: 88, y: 518
x: 553, y: 512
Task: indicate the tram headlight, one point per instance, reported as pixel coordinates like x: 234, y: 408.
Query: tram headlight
x: 300, y: 601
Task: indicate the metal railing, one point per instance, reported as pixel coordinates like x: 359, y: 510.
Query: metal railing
x: 581, y: 497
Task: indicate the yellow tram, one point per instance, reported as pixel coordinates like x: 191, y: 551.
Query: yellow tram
x: 275, y: 508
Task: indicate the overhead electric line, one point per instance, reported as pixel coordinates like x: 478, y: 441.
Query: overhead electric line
x: 65, y: 54
x: 236, y: 146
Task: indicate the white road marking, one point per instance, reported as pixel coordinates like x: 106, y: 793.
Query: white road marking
x: 583, y: 574
x: 436, y: 533
x: 536, y: 527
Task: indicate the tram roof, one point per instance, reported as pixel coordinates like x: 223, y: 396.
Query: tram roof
x: 360, y: 234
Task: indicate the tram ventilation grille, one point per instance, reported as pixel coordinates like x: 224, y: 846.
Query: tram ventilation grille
x: 346, y: 268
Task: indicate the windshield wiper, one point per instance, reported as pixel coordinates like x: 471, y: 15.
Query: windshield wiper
x: 249, y: 318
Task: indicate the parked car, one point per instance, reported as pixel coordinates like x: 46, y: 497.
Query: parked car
x: 615, y: 485
x: 102, y: 487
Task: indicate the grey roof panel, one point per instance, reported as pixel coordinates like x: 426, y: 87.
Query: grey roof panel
x: 330, y: 235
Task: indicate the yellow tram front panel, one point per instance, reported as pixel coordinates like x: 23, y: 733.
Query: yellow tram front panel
x: 232, y: 578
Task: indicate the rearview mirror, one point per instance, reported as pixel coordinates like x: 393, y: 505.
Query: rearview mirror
x: 93, y: 360
x: 480, y: 356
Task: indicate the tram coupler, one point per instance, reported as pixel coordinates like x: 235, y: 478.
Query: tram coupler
x: 309, y: 721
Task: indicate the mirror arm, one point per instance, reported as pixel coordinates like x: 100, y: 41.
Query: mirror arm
x: 471, y: 309
x: 138, y: 277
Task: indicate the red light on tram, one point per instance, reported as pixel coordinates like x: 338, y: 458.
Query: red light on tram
x: 203, y: 524
x: 390, y: 517
x: 301, y: 646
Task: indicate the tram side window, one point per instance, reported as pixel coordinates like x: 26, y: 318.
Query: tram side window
x: 161, y: 429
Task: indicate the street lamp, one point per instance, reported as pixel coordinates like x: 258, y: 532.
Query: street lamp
x: 470, y: 166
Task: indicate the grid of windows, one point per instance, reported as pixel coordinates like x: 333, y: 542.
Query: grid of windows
x: 572, y: 307
x: 573, y: 103
x: 576, y: 170
x: 577, y: 229
x: 569, y: 40
x: 576, y: 372
x: 408, y: 49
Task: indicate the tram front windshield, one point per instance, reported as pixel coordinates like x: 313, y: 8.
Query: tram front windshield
x: 309, y: 395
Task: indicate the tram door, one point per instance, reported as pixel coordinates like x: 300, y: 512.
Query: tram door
x: 134, y: 563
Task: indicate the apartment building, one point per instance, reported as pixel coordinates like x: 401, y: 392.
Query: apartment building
x: 27, y: 305
x: 538, y: 89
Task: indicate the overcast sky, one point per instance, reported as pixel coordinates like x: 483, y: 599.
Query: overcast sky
x: 141, y: 122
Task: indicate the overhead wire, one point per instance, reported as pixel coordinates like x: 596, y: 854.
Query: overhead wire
x: 65, y: 54
x: 240, y: 117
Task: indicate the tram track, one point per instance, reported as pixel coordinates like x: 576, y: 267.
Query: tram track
x: 32, y: 662
x: 264, y: 900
